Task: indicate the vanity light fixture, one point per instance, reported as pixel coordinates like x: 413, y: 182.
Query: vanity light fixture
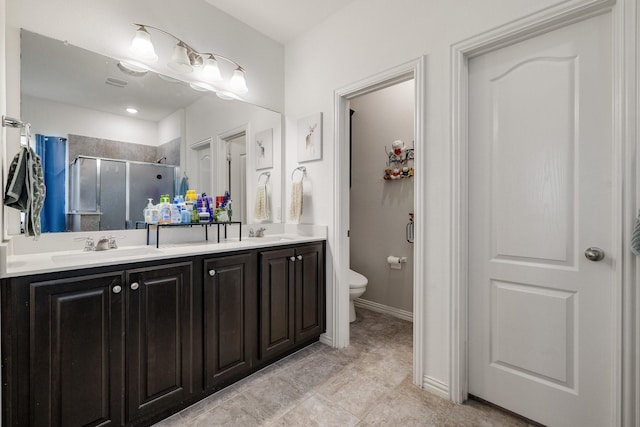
x: 185, y: 59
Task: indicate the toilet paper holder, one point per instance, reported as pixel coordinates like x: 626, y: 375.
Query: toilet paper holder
x: 396, y: 262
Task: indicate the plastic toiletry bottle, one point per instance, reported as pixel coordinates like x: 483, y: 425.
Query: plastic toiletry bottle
x: 176, y: 218
x: 164, y: 209
x: 149, y: 212
x: 195, y: 218
x: 185, y: 216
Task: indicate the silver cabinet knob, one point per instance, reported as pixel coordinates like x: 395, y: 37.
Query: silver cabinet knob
x: 212, y: 273
x: 594, y: 254
x: 300, y: 257
x: 135, y: 285
x: 117, y: 289
x: 292, y: 258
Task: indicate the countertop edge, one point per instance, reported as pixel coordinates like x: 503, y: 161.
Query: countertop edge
x: 43, y: 263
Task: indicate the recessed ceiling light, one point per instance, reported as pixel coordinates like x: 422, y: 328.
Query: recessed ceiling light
x: 131, y: 110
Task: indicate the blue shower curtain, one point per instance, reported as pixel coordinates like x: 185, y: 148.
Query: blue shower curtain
x: 52, y: 151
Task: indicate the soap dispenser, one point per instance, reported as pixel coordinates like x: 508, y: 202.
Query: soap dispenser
x: 150, y: 213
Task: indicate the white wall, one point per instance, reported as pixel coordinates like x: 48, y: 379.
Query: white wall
x: 58, y: 119
x: 379, y: 208
x: 170, y: 127
x: 209, y: 118
x: 367, y: 37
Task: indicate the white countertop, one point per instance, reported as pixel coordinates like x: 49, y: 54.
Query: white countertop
x: 48, y: 262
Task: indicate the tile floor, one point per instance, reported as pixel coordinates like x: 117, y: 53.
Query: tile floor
x: 366, y: 384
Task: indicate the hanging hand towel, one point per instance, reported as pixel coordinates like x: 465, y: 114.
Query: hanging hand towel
x: 25, y: 189
x: 260, y: 211
x: 184, y: 186
x: 635, y: 236
x: 296, y: 201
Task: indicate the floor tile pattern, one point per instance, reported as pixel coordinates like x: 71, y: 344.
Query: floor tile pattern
x: 367, y: 384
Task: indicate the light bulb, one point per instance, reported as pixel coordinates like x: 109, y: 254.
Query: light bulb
x: 210, y: 71
x: 141, y: 45
x: 238, y: 83
x: 180, y: 59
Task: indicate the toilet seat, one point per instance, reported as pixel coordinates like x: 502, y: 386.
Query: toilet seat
x: 357, y: 280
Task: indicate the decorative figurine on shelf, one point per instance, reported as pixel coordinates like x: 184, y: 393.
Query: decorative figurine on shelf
x: 400, y: 161
x: 398, y: 147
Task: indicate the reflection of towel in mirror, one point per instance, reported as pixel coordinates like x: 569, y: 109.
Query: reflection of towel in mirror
x: 296, y: 201
x: 635, y: 237
x: 25, y: 189
x: 184, y: 186
x: 260, y: 211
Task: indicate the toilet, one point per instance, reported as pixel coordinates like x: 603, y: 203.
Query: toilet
x: 357, y: 286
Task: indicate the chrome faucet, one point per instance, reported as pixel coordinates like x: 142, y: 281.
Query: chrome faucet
x: 112, y: 242
x: 102, y: 245
x: 260, y: 232
x: 251, y: 233
x: 89, y: 245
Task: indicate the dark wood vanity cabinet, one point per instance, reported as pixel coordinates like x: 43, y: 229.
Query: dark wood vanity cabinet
x: 72, y: 345
x: 129, y: 346
x: 230, y: 318
x: 159, y: 338
x: 76, y: 364
x: 291, y: 298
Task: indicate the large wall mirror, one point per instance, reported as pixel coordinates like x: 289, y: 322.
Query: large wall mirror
x: 103, y: 162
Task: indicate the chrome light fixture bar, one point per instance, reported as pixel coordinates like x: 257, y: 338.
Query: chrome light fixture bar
x: 185, y: 58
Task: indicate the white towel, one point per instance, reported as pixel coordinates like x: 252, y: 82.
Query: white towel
x: 635, y: 236
x: 260, y: 211
x: 296, y: 201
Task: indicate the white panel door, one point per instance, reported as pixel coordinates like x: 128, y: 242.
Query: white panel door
x: 541, y: 315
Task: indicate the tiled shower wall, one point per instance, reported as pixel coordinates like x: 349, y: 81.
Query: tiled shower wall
x: 79, y: 145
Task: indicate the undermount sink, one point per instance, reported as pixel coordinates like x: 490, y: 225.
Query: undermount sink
x: 108, y: 254
x: 270, y: 239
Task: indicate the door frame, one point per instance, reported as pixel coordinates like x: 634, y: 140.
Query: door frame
x: 625, y: 16
x: 340, y: 290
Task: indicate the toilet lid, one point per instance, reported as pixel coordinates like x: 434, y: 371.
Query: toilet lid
x: 357, y: 280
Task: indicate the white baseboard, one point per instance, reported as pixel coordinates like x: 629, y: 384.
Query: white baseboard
x: 381, y: 308
x: 326, y: 339
x: 436, y: 386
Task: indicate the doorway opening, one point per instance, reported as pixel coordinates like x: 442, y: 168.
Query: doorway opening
x: 339, y: 293
x: 381, y: 200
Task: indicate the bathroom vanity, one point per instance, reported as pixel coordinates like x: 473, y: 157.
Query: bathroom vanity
x: 135, y: 341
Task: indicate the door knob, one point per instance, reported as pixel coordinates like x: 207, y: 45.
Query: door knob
x: 212, y: 273
x: 135, y: 285
x: 292, y: 258
x: 594, y: 254
x: 117, y: 289
x: 299, y: 257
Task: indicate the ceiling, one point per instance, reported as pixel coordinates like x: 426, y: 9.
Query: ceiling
x: 281, y: 20
x: 60, y: 72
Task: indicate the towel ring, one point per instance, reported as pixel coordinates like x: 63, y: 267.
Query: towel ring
x: 267, y: 174
x: 301, y: 169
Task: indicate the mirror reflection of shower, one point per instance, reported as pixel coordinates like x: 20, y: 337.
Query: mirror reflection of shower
x: 236, y: 182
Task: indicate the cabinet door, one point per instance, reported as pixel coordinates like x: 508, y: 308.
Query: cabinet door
x: 309, y: 292
x: 277, y: 280
x: 230, y: 318
x: 76, y: 347
x: 159, y: 338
